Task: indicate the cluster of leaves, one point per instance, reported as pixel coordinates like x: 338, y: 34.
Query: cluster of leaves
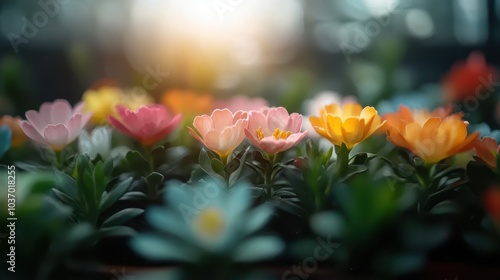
x: 89, y: 193
x: 152, y: 168
x: 386, y: 213
x: 45, y: 236
x: 210, y: 164
x: 442, y: 187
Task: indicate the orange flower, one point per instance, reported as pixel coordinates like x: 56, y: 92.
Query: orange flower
x: 487, y: 151
x: 350, y: 124
x: 18, y: 136
x: 187, y: 102
x: 432, y: 136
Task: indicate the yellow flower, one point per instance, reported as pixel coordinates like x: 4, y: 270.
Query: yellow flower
x: 102, y: 102
x: 350, y: 124
x: 134, y: 99
x: 432, y: 136
x: 187, y: 102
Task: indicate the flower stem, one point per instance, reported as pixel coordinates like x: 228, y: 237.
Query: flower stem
x: 342, y: 163
x: 149, y: 158
x: 223, y: 159
x: 268, y: 179
x: 58, y: 159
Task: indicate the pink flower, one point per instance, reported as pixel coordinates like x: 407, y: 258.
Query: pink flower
x: 241, y: 103
x: 56, y: 124
x: 221, y: 132
x: 273, y: 130
x: 148, y: 124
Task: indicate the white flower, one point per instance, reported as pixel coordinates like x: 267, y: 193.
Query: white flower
x: 99, y: 142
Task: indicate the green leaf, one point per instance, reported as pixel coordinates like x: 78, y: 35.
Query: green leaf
x: 216, y: 165
x: 99, y: 179
x: 158, y: 152
x: 235, y: 174
x: 110, y: 198
x: 232, y: 166
x: 134, y: 196
x: 446, y: 207
x: 117, y: 231
x: 154, y: 179
x: 108, y: 167
x: 30, y: 167
x: 40, y: 182
x: 204, y: 160
x: 258, y: 157
x: 89, y: 188
x: 83, y: 164
x: 360, y: 158
x: 284, y: 193
x: 67, y: 184
x: 65, y: 199
x: 325, y: 157
x: 206, y: 165
x: 137, y: 162
x: 121, y: 217
x: 309, y: 147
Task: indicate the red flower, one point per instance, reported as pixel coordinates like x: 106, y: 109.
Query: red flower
x: 492, y: 203
x: 470, y: 78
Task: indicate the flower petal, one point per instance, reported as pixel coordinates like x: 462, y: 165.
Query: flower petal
x: 56, y: 136
x: 31, y: 132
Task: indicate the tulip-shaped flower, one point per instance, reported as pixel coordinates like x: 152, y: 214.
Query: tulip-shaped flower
x: 273, y: 130
x: 431, y: 136
x: 487, y: 150
x: 220, y: 132
x: 148, y: 124
x: 55, y: 125
x: 349, y: 124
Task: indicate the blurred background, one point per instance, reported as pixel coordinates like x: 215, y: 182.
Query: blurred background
x: 284, y: 51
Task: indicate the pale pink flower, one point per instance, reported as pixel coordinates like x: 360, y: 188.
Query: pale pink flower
x: 148, y: 124
x: 220, y: 132
x: 273, y: 130
x: 56, y: 124
x: 241, y: 103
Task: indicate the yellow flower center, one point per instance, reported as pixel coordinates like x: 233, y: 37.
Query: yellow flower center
x: 281, y: 134
x: 209, y: 223
x: 278, y: 133
x: 259, y: 133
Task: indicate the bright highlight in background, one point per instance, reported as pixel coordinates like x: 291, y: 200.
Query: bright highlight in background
x: 251, y: 32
